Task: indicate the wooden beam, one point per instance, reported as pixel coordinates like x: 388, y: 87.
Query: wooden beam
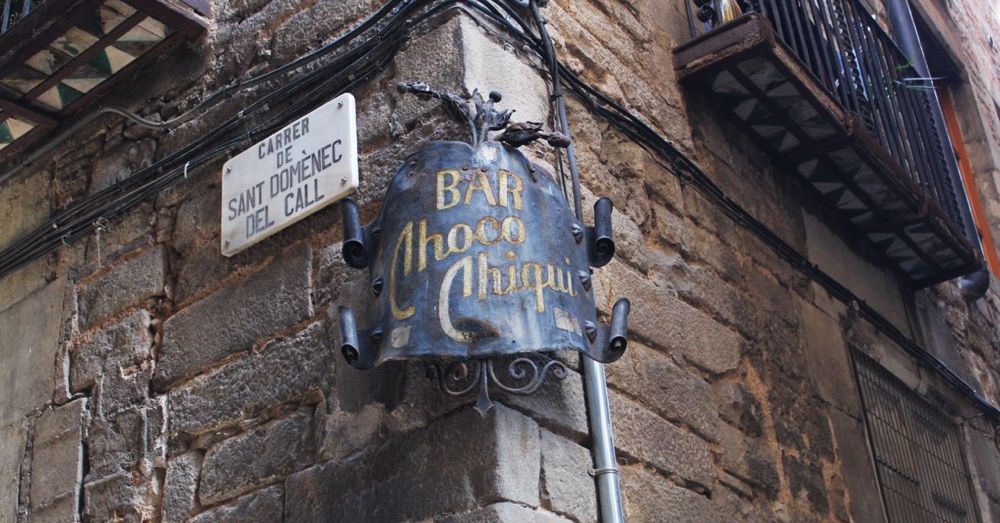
x: 182, y: 21
x: 25, y: 113
x: 19, y: 145
x: 88, y: 97
x: 36, y: 31
x: 201, y: 6
x: 733, y: 39
x: 81, y: 59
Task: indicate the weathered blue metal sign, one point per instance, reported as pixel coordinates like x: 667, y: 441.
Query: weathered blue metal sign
x: 476, y: 254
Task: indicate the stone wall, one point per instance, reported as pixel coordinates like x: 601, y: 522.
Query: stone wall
x: 146, y: 377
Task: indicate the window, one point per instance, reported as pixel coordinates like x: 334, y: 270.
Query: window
x: 918, y: 451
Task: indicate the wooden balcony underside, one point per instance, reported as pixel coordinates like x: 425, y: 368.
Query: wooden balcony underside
x: 778, y: 103
x: 63, y: 56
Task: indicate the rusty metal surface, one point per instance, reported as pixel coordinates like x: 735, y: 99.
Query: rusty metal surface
x: 476, y: 254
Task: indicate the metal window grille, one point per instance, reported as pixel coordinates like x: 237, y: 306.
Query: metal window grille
x: 918, y: 451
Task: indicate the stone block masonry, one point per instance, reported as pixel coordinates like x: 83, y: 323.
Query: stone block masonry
x: 28, y: 349
x: 57, y: 463
x: 141, y: 277
x: 234, y: 317
x: 247, y: 461
x: 380, y: 487
x: 180, y: 487
x: 12, y: 448
x: 155, y: 380
x: 282, y: 372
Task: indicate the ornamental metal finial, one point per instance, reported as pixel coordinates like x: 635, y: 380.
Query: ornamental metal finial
x: 482, y: 117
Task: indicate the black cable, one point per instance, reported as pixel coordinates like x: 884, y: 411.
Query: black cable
x: 560, y: 104
x: 689, y: 173
x: 80, y: 218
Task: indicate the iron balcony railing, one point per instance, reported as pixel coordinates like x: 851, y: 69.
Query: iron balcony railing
x: 858, y: 63
x: 14, y: 10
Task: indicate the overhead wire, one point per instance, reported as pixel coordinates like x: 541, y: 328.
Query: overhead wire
x: 76, y: 220
x: 79, y: 219
x: 690, y: 174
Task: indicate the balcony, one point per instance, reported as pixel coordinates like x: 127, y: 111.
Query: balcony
x: 820, y: 87
x: 60, y: 56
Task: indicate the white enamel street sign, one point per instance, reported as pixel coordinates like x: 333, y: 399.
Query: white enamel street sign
x: 309, y: 164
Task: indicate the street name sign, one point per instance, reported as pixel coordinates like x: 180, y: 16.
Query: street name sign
x: 309, y: 164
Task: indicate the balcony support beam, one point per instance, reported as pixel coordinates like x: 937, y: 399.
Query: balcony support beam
x: 852, y: 175
x: 25, y: 113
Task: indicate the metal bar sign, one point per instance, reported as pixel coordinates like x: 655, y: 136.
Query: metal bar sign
x: 309, y: 164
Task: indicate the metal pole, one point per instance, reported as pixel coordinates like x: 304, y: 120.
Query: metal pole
x: 609, y: 495
x: 605, y: 470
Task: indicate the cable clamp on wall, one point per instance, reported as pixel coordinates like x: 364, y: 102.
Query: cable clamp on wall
x: 602, y: 471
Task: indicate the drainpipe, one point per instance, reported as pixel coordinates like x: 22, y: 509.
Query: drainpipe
x: 973, y: 285
x: 605, y: 471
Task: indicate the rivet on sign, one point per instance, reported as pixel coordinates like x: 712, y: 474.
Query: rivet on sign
x: 340, y: 105
x: 229, y: 170
x: 226, y: 243
x: 577, y: 232
x: 584, y: 279
x: 343, y: 181
x: 590, y: 329
x: 377, y: 284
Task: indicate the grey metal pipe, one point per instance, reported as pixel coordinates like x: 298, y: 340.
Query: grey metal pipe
x: 975, y: 284
x: 609, y: 494
x: 605, y: 471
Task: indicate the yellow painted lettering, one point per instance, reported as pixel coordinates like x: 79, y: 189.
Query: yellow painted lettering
x: 404, y: 241
x: 507, y: 227
x: 453, y: 246
x: 422, y: 241
x: 447, y: 195
x: 531, y: 277
x: 512, y: 186
x: 481, y: 182
x: 444, y: 315
x: 481, y: 230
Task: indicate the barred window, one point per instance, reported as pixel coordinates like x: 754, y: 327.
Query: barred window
x: 918, y: 451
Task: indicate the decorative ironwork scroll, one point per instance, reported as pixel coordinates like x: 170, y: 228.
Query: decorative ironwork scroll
x: 477, y: 263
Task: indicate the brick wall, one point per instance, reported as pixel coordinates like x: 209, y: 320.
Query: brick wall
x: 147, y: 378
